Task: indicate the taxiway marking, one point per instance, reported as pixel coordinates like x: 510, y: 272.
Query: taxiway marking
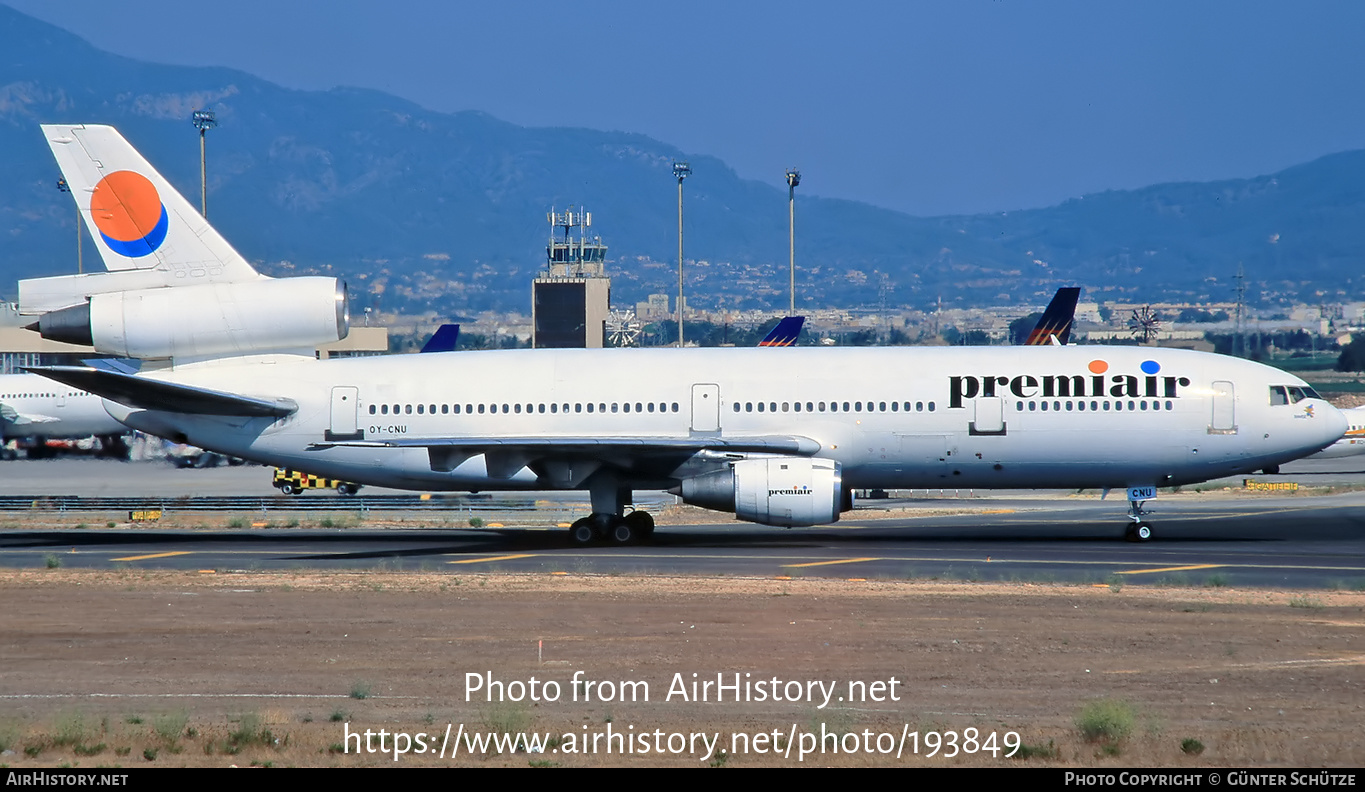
x: 153, y: 555
x: 494, y: 558
x: 1168, y: 569
x: 828, y: 563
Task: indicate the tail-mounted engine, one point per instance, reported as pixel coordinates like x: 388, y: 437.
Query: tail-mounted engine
x: 206, y: 319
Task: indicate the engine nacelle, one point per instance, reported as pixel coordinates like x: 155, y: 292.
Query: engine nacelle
x: 788, y: 491
x: 265, y: 315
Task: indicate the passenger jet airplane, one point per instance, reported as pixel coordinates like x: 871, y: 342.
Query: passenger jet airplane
x: 36, y: 408
x: 1352, y: 443
x: 778, y: 436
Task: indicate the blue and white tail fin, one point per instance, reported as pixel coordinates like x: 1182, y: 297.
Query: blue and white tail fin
x: 137, y: 219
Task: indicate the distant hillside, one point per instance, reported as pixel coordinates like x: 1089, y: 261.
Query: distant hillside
x: 448, y: 210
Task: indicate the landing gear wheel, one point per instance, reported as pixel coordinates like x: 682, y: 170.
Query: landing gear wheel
x: 581, y: 533
x: 1138, y: 532
x: 621, y: 532
x: 642, y: 523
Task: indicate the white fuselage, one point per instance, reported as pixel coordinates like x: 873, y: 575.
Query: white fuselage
x: 904, y: 417
x: 42, y: 408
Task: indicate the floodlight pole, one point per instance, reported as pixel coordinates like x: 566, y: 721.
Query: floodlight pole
x: 203, y: 120
x: 66, y: 188
x: 681, y: 170
x: 793, y: 179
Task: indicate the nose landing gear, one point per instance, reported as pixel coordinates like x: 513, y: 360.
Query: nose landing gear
x: 1138, y: 529
x: 1138, y: 532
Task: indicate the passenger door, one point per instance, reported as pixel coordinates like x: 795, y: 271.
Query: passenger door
x: 705, y: 408
x: 345, y: 409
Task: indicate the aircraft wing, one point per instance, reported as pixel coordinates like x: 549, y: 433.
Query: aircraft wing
x: 149, y: 394
x: 569, y: 460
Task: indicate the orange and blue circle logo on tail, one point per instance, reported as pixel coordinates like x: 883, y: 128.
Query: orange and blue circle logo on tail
x: 129, y: 214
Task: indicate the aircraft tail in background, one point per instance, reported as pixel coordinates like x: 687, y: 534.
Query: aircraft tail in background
x: 443, y: 340
x: 1054, y: 327
x: 786, y: 332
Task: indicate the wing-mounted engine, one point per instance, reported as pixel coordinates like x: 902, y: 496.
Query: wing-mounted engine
x: 206, y: 319
x: 788, y: 491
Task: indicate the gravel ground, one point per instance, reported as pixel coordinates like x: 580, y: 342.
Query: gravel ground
x: 132, y: 668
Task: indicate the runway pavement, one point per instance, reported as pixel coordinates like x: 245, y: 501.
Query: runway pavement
x: 1211, y: 538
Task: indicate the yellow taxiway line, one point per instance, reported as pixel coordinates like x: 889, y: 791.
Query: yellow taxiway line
x: 828, y: 563
x: 494, y: 558
x: 1169, y: 569
x: 154, y: 555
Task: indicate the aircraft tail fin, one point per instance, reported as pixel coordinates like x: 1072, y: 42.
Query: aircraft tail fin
x: 786, y: 332
x: 443, y: 340
x: 1054, y: 327
x: 137, y: 219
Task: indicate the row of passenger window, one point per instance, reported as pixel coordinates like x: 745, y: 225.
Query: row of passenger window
x: 518, y: 409
x: 1095, y: 406
x: 835, y: 407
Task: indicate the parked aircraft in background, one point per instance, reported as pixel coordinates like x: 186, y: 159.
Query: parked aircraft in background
x: 785, y: 333
x: 1054, y: 326
x: 779, y: 437
x: 36, y: 409
x: 443, y: 340
x: 1350, y: 444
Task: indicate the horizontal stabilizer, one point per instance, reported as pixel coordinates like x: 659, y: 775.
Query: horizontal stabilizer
x: 150, y: 394
x: 120, y: 365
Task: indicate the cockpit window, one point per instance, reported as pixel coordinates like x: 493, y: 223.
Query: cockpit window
x: 1299, y: 393
x: 1278, y: 395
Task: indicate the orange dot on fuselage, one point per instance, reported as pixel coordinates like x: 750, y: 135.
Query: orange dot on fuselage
x: 125, y: 206
x: 1098, y: 367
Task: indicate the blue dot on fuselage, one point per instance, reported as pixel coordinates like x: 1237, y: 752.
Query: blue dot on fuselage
x: 1150, y: 367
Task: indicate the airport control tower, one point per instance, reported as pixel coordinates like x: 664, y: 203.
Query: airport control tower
x: 569, y: 302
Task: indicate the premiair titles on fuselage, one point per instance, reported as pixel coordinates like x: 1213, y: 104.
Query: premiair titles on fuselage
x: 1098, y: 384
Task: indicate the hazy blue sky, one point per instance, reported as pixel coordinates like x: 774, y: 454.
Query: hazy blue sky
x: 930, y: 108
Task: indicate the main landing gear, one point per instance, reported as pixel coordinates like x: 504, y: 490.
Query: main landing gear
x: 613, y: 519
x: 607, y: 528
